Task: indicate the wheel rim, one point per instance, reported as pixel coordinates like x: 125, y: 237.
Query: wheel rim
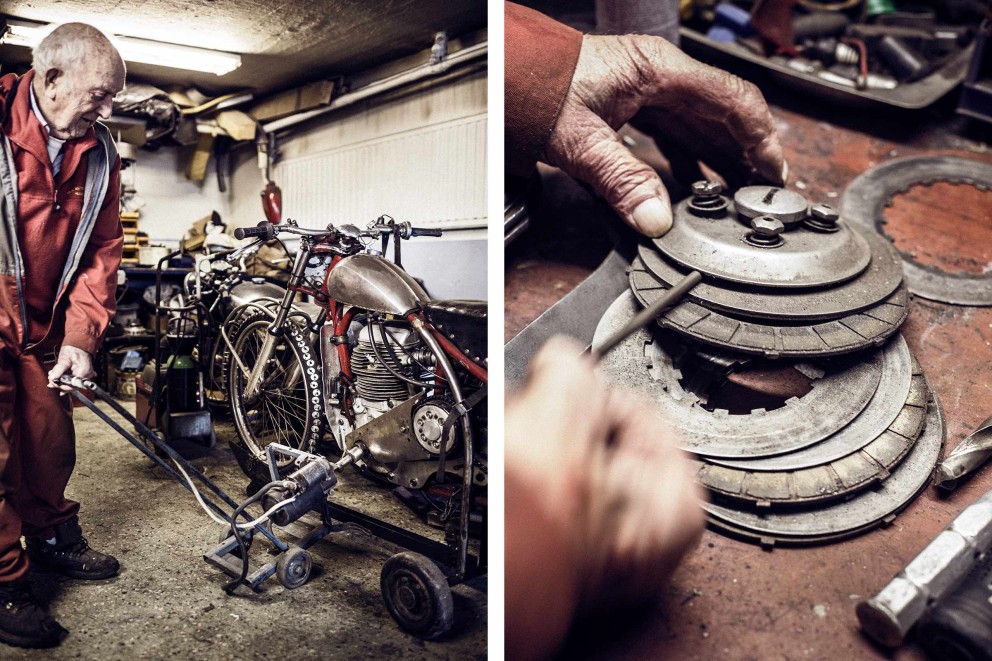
x: 279, y: 412
x: 410, y: 597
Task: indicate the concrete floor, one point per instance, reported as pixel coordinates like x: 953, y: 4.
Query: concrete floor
x: 168, y: 603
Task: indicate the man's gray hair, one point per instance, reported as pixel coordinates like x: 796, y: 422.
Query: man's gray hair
x: 70, y: 44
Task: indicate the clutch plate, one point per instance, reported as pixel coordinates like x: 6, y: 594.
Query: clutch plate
x: 780, y: 278
x: 838, y: 395
x: 864, y: 204
x: 720, y: 245
x: 867, y: 463
x: 867, y: 510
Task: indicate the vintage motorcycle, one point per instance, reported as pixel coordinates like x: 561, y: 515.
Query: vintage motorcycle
x: 391, y: 378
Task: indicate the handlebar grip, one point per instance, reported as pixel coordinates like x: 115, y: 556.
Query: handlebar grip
x: 263, y: 229
x: 423, y: 231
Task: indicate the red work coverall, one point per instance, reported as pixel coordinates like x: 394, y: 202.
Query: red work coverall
x: 44, y: 304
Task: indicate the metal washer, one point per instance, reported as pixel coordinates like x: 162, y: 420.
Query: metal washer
x: 865, y: 200
x: 848, y: 518
x: 639, y: 363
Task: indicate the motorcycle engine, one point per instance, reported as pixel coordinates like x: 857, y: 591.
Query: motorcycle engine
x: 400, y: 427
x: 377, y: 389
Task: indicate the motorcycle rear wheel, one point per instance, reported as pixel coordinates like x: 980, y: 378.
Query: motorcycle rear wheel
x: 288, y: 408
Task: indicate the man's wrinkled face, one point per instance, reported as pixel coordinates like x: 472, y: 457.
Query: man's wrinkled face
x: 75, y: 98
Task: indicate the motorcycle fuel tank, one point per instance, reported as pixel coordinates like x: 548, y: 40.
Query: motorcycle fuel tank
x: 374, y: 283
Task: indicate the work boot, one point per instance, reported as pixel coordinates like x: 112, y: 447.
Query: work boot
x: 23, y: 622
x: 71, y: 555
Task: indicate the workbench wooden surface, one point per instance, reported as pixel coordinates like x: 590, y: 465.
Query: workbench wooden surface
x: 733, y: 600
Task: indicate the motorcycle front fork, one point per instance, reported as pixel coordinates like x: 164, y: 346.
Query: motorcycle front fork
x: 278, y: 327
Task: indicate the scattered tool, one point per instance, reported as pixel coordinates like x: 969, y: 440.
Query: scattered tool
x: 966, y: 458
x: 930, y: 576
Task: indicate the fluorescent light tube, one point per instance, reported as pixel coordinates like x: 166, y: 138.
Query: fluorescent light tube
x: 19, y: 33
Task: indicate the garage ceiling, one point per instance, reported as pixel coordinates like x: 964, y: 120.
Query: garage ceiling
x: 283, y: 43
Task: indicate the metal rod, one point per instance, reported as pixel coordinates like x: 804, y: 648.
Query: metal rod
x: 642, y: 318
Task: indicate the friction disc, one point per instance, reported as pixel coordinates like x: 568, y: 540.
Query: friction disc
x: 901, y: 385
x: 867, y: 510
x: 873, y: 285
x: 865, y: 200
x: 866, y: 465
x: 860, y: 330
x: 640, y: 363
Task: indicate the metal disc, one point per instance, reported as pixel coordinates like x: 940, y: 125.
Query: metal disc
x: 865, y: 200
x: 863, y: 512
x: 865, y: 465
x: 878, y: 281
x: 901, y: 385
x: 868, y: 328
x: 641, y: 364
x: 717, y: 247
x: 788, y: 206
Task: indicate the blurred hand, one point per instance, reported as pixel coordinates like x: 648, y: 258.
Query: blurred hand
x: 600, y: 503
x: 693, y: 111
x: 74, y: 362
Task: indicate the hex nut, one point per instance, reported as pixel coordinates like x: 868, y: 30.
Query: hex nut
x: 767, y: 226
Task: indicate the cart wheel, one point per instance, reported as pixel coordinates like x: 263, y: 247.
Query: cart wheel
x: 293, y: 567
x: 417, y: 595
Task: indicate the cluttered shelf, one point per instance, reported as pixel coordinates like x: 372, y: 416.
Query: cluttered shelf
x: 731, y: 599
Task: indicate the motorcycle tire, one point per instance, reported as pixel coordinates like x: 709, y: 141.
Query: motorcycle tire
x: 288, y: 408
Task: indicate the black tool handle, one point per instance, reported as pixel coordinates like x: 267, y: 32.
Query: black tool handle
x: 423, y: 231
x: 960, y: 626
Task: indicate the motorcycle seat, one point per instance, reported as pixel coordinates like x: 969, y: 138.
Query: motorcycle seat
x: 464, y: 324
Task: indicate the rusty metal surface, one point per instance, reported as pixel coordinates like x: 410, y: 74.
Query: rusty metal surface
x: 731, y: 600
x: 867, y: 197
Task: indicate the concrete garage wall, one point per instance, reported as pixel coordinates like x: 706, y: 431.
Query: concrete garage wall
x: 420, y: 157
x: 171, y: 202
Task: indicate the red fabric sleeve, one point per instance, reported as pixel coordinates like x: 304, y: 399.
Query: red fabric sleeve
x: 92, y: 297
x: 539, y: 58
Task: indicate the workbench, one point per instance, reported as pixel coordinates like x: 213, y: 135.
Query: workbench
x: 731, y: 599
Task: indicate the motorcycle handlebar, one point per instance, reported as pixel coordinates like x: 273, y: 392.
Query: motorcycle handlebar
x: 264, y: 229
x: 269, y: 231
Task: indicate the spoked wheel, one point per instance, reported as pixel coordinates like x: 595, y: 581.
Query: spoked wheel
x: 417, y: 595
x: 288, y: 406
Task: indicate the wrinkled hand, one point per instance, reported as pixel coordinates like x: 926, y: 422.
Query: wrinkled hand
x: 693, y: 111
x: 74, y: 362
x: 600, y: 503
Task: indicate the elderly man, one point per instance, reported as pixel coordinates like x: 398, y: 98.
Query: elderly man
x: 60, y: 247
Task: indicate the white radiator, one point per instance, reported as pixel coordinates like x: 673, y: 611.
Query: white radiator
x: 432, y: 177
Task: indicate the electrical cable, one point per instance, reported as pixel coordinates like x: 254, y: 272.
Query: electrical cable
x: 242, y: 546
x: 389, y: 368
x: 244, y: 526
